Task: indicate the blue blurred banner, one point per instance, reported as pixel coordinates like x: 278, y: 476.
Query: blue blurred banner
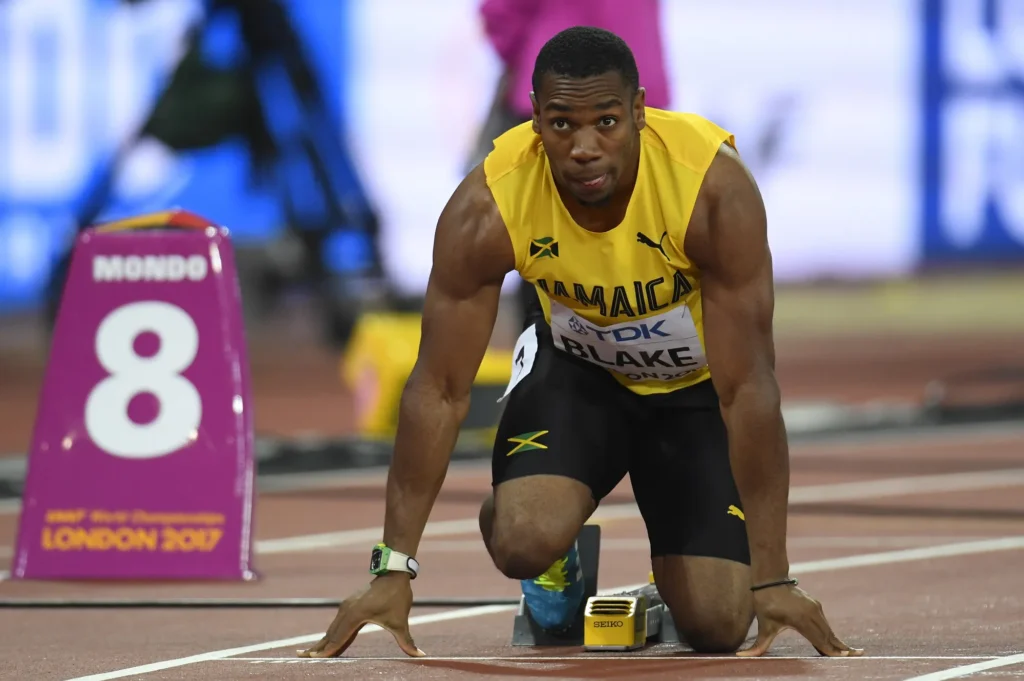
x: 81, y: 77
x: 885, y: 134
x: 973, y: 131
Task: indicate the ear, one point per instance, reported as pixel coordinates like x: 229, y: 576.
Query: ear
x: 536, y: 113
x: 640, y: 108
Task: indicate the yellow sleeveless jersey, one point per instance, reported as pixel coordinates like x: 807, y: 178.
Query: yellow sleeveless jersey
x: 628, y: 299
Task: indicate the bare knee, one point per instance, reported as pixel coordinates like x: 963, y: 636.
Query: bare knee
x: 520, y: 549
x: 525, y: 550
x: 715, y: 633
x: 531, y: 522
x: 709, y: 599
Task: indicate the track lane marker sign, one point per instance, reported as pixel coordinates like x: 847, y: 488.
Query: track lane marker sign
x: 141, y: 462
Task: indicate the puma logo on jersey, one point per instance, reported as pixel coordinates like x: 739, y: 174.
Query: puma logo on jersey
x: 737, y: 512
x: 646, y: 241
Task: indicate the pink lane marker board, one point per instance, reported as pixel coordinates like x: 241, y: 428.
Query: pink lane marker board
x: 141, y: 464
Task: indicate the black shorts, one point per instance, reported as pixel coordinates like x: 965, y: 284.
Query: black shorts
x: 592, y: 429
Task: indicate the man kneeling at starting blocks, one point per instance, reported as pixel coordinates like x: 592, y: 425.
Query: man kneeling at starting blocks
x: 650, y: 352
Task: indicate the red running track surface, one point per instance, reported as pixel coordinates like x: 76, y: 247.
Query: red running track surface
x: 913, y: 613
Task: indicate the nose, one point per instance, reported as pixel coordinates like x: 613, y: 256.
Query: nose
x: 585, y: 148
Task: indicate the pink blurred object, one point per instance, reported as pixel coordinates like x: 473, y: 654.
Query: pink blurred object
x: 519, y: 28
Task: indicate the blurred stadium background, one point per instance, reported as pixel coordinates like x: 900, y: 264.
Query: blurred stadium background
x: 887, y: 137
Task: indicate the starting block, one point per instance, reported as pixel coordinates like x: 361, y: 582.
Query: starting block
x: 615, y: 622
x: 627, y: 621
x: 141, y: 464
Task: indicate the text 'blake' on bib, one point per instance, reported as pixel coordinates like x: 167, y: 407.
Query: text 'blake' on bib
x: 141, y: 464
x: 661, y: 347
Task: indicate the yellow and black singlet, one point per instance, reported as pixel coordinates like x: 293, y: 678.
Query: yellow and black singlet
x: 628, y: 299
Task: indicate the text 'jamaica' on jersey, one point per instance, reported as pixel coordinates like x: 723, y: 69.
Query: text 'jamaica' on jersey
x: 628, y: 299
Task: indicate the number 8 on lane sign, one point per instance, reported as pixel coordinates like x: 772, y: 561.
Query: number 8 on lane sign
x: 144, y: 431
x: 179, y: 404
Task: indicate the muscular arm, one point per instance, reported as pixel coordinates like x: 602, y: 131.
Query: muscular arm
x: 730, y: 246
x: 472, y: 254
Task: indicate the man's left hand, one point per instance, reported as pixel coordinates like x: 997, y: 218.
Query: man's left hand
x: 789, y: 607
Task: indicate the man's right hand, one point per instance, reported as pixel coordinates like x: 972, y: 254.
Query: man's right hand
x: 386, y: 602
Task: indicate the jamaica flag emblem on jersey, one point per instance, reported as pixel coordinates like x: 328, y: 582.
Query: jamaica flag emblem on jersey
x: 544, y: 247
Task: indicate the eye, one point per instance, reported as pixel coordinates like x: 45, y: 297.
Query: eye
x: 560, y: 124
x: 609, y: 121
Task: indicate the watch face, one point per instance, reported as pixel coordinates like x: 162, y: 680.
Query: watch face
x: 375, y: 559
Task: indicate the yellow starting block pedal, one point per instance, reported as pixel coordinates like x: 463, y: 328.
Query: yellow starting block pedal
x: 627, y: 621
x: 615, y: 622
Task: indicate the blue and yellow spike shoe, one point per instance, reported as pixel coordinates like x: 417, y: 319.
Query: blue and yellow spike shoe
x: 554, y: 598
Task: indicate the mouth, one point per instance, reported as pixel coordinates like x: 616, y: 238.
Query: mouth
x: 594, y: 182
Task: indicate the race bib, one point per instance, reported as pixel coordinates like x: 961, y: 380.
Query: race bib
x: 522, y: 358
x: 663, y: 347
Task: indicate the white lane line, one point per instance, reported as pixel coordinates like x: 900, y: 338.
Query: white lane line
x: 839, y: 445
x: 843, y: 491
x: 1001, y: 544
x: 970, y: 434
x: 847, y: 491
x: 916, y: 484
x: 908, y: 555
x: 637, y: 544
x: 857, y: 541
x: 570, y: 659
x: 285, y: 643
x: 369, y: 535
x: 966, y: 670
x: 312, y: 542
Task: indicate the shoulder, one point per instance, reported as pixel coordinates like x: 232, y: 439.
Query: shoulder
x: 471, y: 238
x: 684, y: 151
x: 514, y: 173
x: 685, y: 138
x: 730, y: 215
x: 518, y: 147
x: 729, y: 179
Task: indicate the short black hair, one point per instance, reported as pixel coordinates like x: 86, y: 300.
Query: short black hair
x: 585, y: 52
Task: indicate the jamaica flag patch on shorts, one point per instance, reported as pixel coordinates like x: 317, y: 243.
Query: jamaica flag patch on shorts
x: 527, y: 441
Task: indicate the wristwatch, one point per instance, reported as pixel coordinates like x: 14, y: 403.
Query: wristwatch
x: 383, y: 560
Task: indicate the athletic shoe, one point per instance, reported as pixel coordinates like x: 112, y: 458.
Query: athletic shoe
x: 554, y: 598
